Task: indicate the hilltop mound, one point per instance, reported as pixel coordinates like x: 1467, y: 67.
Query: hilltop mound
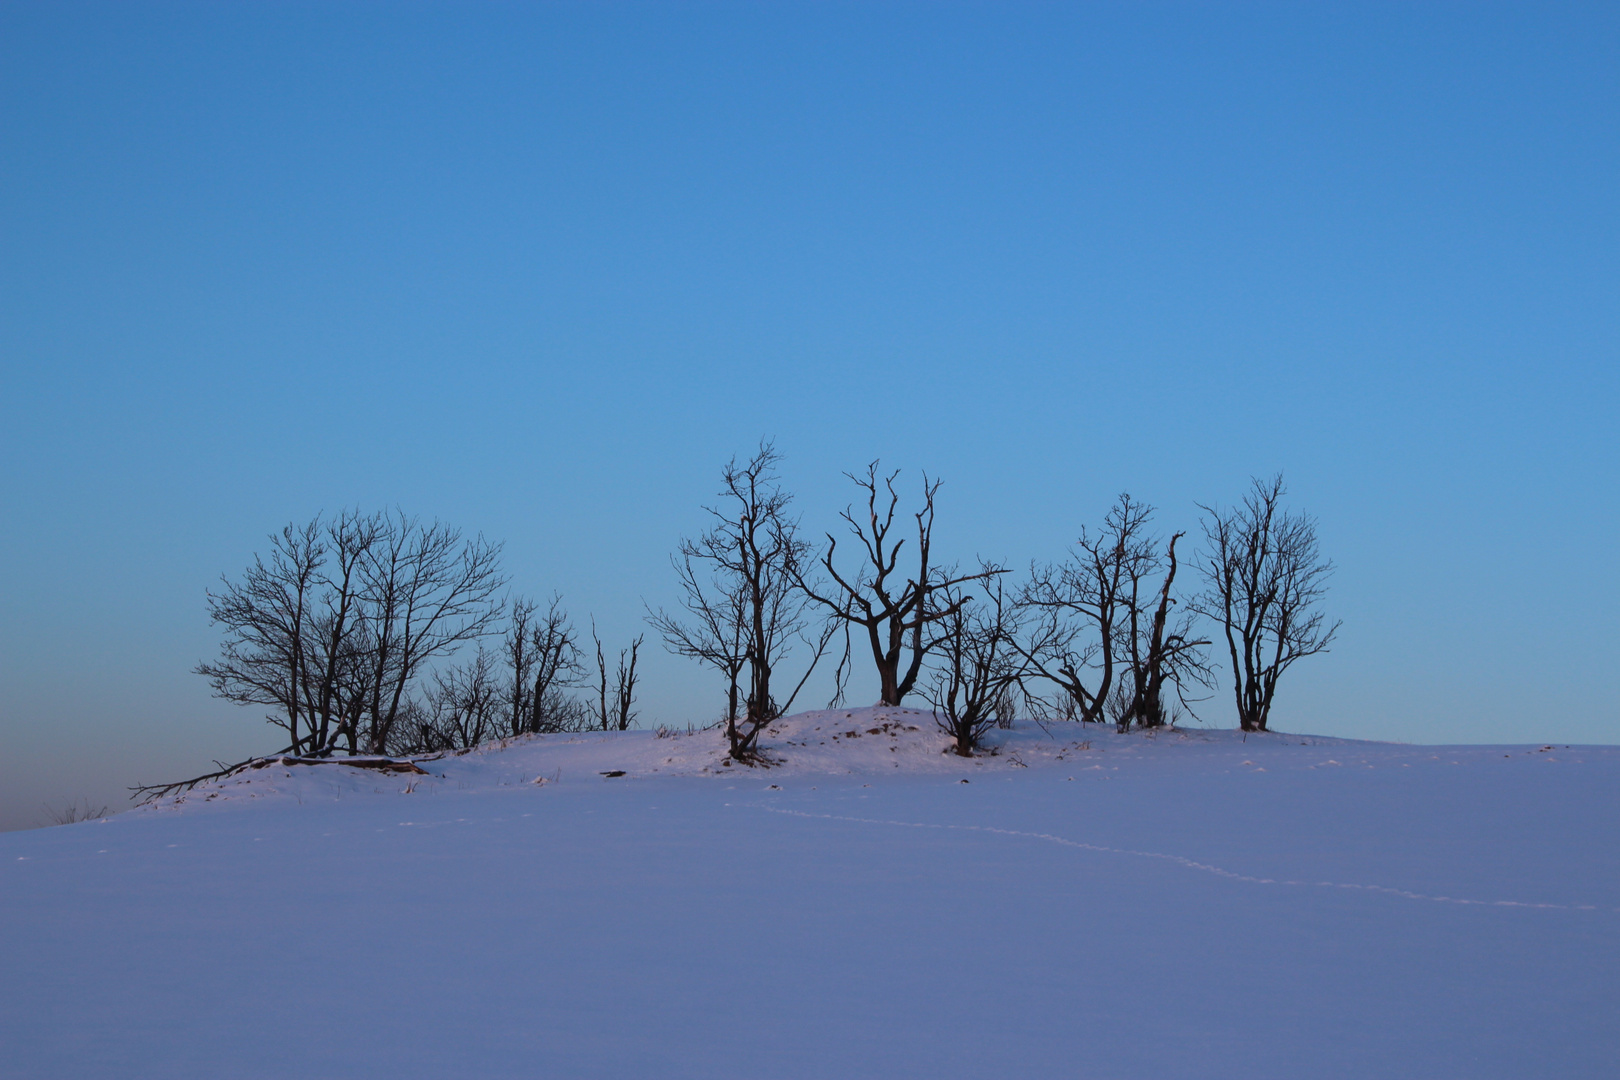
x: 872, y: 741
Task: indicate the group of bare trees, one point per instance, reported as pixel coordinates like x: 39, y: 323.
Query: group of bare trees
x: 348, y: 629
x: 1105, y: 635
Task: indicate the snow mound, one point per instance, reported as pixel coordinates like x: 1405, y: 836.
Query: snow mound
x: 874, y: 741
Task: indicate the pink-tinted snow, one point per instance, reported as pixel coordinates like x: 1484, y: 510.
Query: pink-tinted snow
x: 1191, y: 904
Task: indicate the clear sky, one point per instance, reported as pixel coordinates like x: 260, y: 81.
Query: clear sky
x: 540, y: 269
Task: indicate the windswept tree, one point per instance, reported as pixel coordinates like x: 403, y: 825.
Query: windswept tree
x: 976, y: 662
x: 739, y: 586
x: 895, y: 607
x: 1264, y: 576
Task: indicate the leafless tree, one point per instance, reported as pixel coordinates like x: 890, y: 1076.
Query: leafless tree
x: 893, y: 607
x: 615, y: 705
x: 517, y: 705
x: 1264, y: 576
x: 463, y: 708
x: 426, y: 592
x: 739, y: 584
x: 718, y: 635
x: 1080, y: 610
x: 977, y: 662
x: 1161, y: 650
x: 342, y: 640
x: 267, y: 616
x: 541, y: 660
x: 624, y: 693
x: 338, y: 622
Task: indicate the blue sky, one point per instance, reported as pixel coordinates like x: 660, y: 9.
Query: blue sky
x: 539, y: 270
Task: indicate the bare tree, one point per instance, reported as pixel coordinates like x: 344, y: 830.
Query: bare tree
x: 616, y: 696
x: 1082, y: 610
x: 427, y: 592
x: 718, y: 636
x: 977, y: 663
x: 517, y: 705
x: 893, y: 607
x: 463, y: 708
x: 1264, y: 576
x: 1161, y: 650
x: 342, y: 641
x: 541, y: 660
x: 264, y: 659
x: 340, y: 620
x: 624, y: 693
x: 740, y: 586
x: 556, y: 665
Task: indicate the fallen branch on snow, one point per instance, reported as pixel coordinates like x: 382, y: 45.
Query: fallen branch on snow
x: 146, y: 793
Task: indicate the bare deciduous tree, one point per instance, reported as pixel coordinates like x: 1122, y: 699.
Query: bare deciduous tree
x: 267, y: 616
x: 343, y: 633
x: 541, y: 660
x: 1081, y: 610
x: 894, y: 608
x: 463, y: 708
x: 1160, y: 650
x: 1264, y: 576
x: 977, y: 663
x: 427, y: 592
x: 335, y: 626
x: 739, y: 583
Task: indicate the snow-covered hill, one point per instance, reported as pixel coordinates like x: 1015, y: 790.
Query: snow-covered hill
x: 1076, y: 903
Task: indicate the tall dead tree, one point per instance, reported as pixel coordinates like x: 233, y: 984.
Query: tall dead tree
x: 976, y: 663
x: 1264, y: 576
x: 894, y: 607
x: 1081, y: 609
x: 739, y: 585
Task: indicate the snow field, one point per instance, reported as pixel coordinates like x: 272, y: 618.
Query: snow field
x: 1087, y: 904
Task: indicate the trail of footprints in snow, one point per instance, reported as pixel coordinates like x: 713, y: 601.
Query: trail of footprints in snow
x: 1191, y: 864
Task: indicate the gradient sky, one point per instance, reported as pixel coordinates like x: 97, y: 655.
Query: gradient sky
x: 539, y: 270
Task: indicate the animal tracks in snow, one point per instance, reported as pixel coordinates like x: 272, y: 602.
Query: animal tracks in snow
x: 1191, y: 864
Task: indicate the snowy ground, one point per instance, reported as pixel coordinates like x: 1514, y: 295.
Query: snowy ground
x: 1086, y: 905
